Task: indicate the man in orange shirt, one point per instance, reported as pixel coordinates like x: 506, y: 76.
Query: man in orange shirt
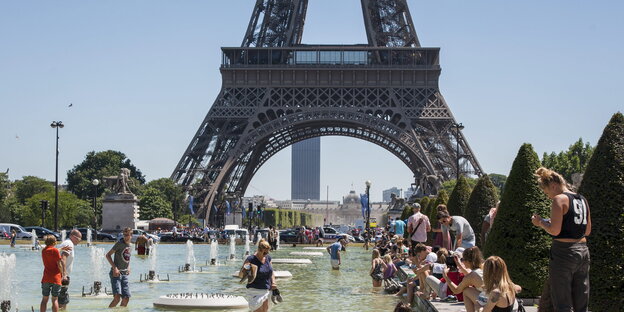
x: 53, y: 273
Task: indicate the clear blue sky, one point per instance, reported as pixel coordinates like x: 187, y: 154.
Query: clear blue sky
x: 143, y: 74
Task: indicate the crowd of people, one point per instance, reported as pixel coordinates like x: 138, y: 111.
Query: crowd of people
x: 446, y: 266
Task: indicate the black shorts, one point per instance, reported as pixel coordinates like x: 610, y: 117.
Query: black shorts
x: 63, y: 297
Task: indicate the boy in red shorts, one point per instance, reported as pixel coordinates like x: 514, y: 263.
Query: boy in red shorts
x: 53, y: 273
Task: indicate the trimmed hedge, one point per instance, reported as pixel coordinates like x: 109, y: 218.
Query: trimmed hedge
x: 524, y: 247
x: 287, y: 218
x: 484, y: 196
x: 441, y: 199
x: 603, y: 186
x: 459, y: 197
x: 407, y: 212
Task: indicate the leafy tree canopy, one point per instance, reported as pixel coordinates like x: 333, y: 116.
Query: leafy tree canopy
x: 449, y: 185
x: 73, y: 212
x: 499, y: 181
x: 173, y: 193
x: 574, y: 160
x: 603, y: 186
x: 153, y: 204
x: 99, y: 165
x: 29, y: 186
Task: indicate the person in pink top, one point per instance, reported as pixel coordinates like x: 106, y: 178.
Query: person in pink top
x: 418, y: 225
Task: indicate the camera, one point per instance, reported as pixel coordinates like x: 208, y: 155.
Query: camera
x: 450, y: 263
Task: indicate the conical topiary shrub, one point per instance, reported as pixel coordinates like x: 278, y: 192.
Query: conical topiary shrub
x: 603, y: 186
x: 523, y: 246
x: 459, y: 197
x: 407, y: 211
x: 483, y: 197
x: 424, y: 205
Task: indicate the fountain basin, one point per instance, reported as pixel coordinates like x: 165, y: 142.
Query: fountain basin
x: 200, y: 300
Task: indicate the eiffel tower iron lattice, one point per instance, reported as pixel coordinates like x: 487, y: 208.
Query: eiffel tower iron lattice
x: 276, y: 92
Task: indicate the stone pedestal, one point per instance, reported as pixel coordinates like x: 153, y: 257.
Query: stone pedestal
x: 119, y: 211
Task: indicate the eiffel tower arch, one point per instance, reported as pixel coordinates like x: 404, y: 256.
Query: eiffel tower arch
x: 276, y: 92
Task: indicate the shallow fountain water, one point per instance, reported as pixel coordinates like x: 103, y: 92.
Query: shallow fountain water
x: 89, y: 237
x: 347, y: 289
x: 97, y: 273
x: 8, y: 293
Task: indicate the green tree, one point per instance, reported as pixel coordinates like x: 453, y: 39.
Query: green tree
x: 483, y: 197
x: 499, y: 181
x: 574, y: 160
x: 153, y: 204
x: 441, y: 199
x: 459, y: 197
x: 173, y: 193
x: 99, y: 165
x: 449, y: 185
x: 523, y: 246
x: 603, y: 186
x: 407, y: 212
x: 72, y: 210
x: 29, y: 186
x: 5, y: 188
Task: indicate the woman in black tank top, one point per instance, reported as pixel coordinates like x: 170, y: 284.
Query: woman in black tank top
x: 569, y: 224
x: 500, y: 291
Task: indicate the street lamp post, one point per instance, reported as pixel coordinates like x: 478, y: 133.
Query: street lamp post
x: 57, y: 125
x: 458, y: 127
x: 368, y: 185
x: 95, y: 183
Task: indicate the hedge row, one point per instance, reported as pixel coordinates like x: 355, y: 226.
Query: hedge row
x: 286, y: 218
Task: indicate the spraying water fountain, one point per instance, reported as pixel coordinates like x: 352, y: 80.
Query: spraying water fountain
x: 63, y: 235
x: 247, y: 245
x: 214, y: 252
x: 7, y: 287
x: 151, y: 275
x: 189, y: 266
x: 89, y: 237
x: 232, y: 247
x: 277, y: 243
x: 258, y: 238
x: 34, y: 241
x: 97, y: 274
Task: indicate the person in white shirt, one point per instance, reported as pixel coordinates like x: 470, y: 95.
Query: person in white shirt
x: 67, y: 258
x: 417, y: 226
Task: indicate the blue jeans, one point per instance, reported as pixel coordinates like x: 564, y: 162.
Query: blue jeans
x: 120, y: 285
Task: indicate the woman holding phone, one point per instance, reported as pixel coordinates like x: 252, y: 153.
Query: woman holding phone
x: 569, y: 224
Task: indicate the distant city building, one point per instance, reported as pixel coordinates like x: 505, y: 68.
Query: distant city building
x: 394, y: 190
x: 306, y: 170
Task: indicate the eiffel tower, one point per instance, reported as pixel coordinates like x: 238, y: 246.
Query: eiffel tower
x: 276, y: 92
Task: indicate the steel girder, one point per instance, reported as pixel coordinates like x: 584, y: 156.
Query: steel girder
x: 389, y: 24
x: 248, y: 125
x: 276, y: 23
